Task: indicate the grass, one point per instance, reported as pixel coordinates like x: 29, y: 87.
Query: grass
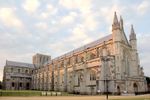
x: 30, y: 93
x: 19, y: 93
x: 26, y: 93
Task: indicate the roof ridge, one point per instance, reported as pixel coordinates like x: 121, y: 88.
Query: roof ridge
x: 98, y: 41
x: 19, y: 64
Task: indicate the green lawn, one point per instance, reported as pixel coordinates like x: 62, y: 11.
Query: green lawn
x: 19, y: 93
x: 27, y: 93
x: 30, y: 93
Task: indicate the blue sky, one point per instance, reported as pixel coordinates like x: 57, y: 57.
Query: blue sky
x: 55, y: 27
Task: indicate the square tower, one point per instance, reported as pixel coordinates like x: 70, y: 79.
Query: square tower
x: 40, y: 59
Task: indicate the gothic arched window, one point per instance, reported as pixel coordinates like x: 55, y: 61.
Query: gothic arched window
x: 92, y: 56
x: 26, y: 71
x: 18, y: 70
x: 92, y: 75
x: 126, y: 61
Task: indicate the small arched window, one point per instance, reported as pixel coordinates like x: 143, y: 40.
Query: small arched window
x: 92, y: 75
x: 82, y: 59
x: 12, y: 70
x: 13, y: 84
x: 18, y: 70
x: 26, y: 71
x: 92, y: 56
x: 32, y: 71
x: 80, y: 78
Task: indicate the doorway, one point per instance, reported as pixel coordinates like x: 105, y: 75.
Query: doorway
x: 118, y: 90
x: 135, y: 88
x: 27, y: 86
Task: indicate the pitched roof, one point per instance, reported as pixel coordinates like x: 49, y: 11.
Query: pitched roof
x: 19, y: 64
x: 92, y: 44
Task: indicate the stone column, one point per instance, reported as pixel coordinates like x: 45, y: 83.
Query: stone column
x: 38, y: 81
x: 35, y: 81
x: 85, y: 73
x: 47, y: 78
x: 43, y: 82
x: 73, y: 74
x: 52, y: 84
x: 65, y: 76
x: 103, y: 70
x: 58, y: 77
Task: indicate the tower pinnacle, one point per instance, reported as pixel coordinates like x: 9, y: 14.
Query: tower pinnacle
x: 115, y: 21
x: 121, y: 23
x: 115, y: 24
x: 132, y: 29
x: 132, y: 34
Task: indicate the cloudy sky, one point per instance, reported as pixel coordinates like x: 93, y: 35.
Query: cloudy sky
x: 55, y: 27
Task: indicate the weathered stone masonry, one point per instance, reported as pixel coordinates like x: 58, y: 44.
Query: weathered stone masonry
x: 85, y: 70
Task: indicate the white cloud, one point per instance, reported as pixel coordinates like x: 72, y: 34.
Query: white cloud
x: 143, y: 7
x: 58, y: 47
x: 68, y: 19
x: 8, y: 17
x: 81, y: 5
x: 50, y: 7
x: 85, y: 12
x: 78, y: 33
x: 78, y: 37
x: 31, y: 5
x: 44, y: 15
x: 42, y: 25
x: 67, y: 3
x: 90, y: 22
x: 108, y: 12
x: 49, y: 10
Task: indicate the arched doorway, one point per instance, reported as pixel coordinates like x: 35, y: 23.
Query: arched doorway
x: 135, y: 88
x: 27, y: 86
x: 118, y: 90
x: 13, y: 86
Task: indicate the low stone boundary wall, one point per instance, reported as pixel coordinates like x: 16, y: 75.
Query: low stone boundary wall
x: 47, y: 93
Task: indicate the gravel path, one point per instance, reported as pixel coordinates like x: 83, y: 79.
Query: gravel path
x: 146, y: 97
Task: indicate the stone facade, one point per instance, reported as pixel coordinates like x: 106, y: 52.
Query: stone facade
x: 111, y: 61
x: 17, y: 76
x: 83, y: 70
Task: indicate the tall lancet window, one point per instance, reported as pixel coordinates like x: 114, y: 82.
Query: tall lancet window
x: 92, y: 75
x: 126, y: 65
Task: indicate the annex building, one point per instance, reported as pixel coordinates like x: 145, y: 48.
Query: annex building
x: 110, y: 63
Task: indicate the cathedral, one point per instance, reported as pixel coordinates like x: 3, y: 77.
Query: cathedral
x: 109, y: 64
